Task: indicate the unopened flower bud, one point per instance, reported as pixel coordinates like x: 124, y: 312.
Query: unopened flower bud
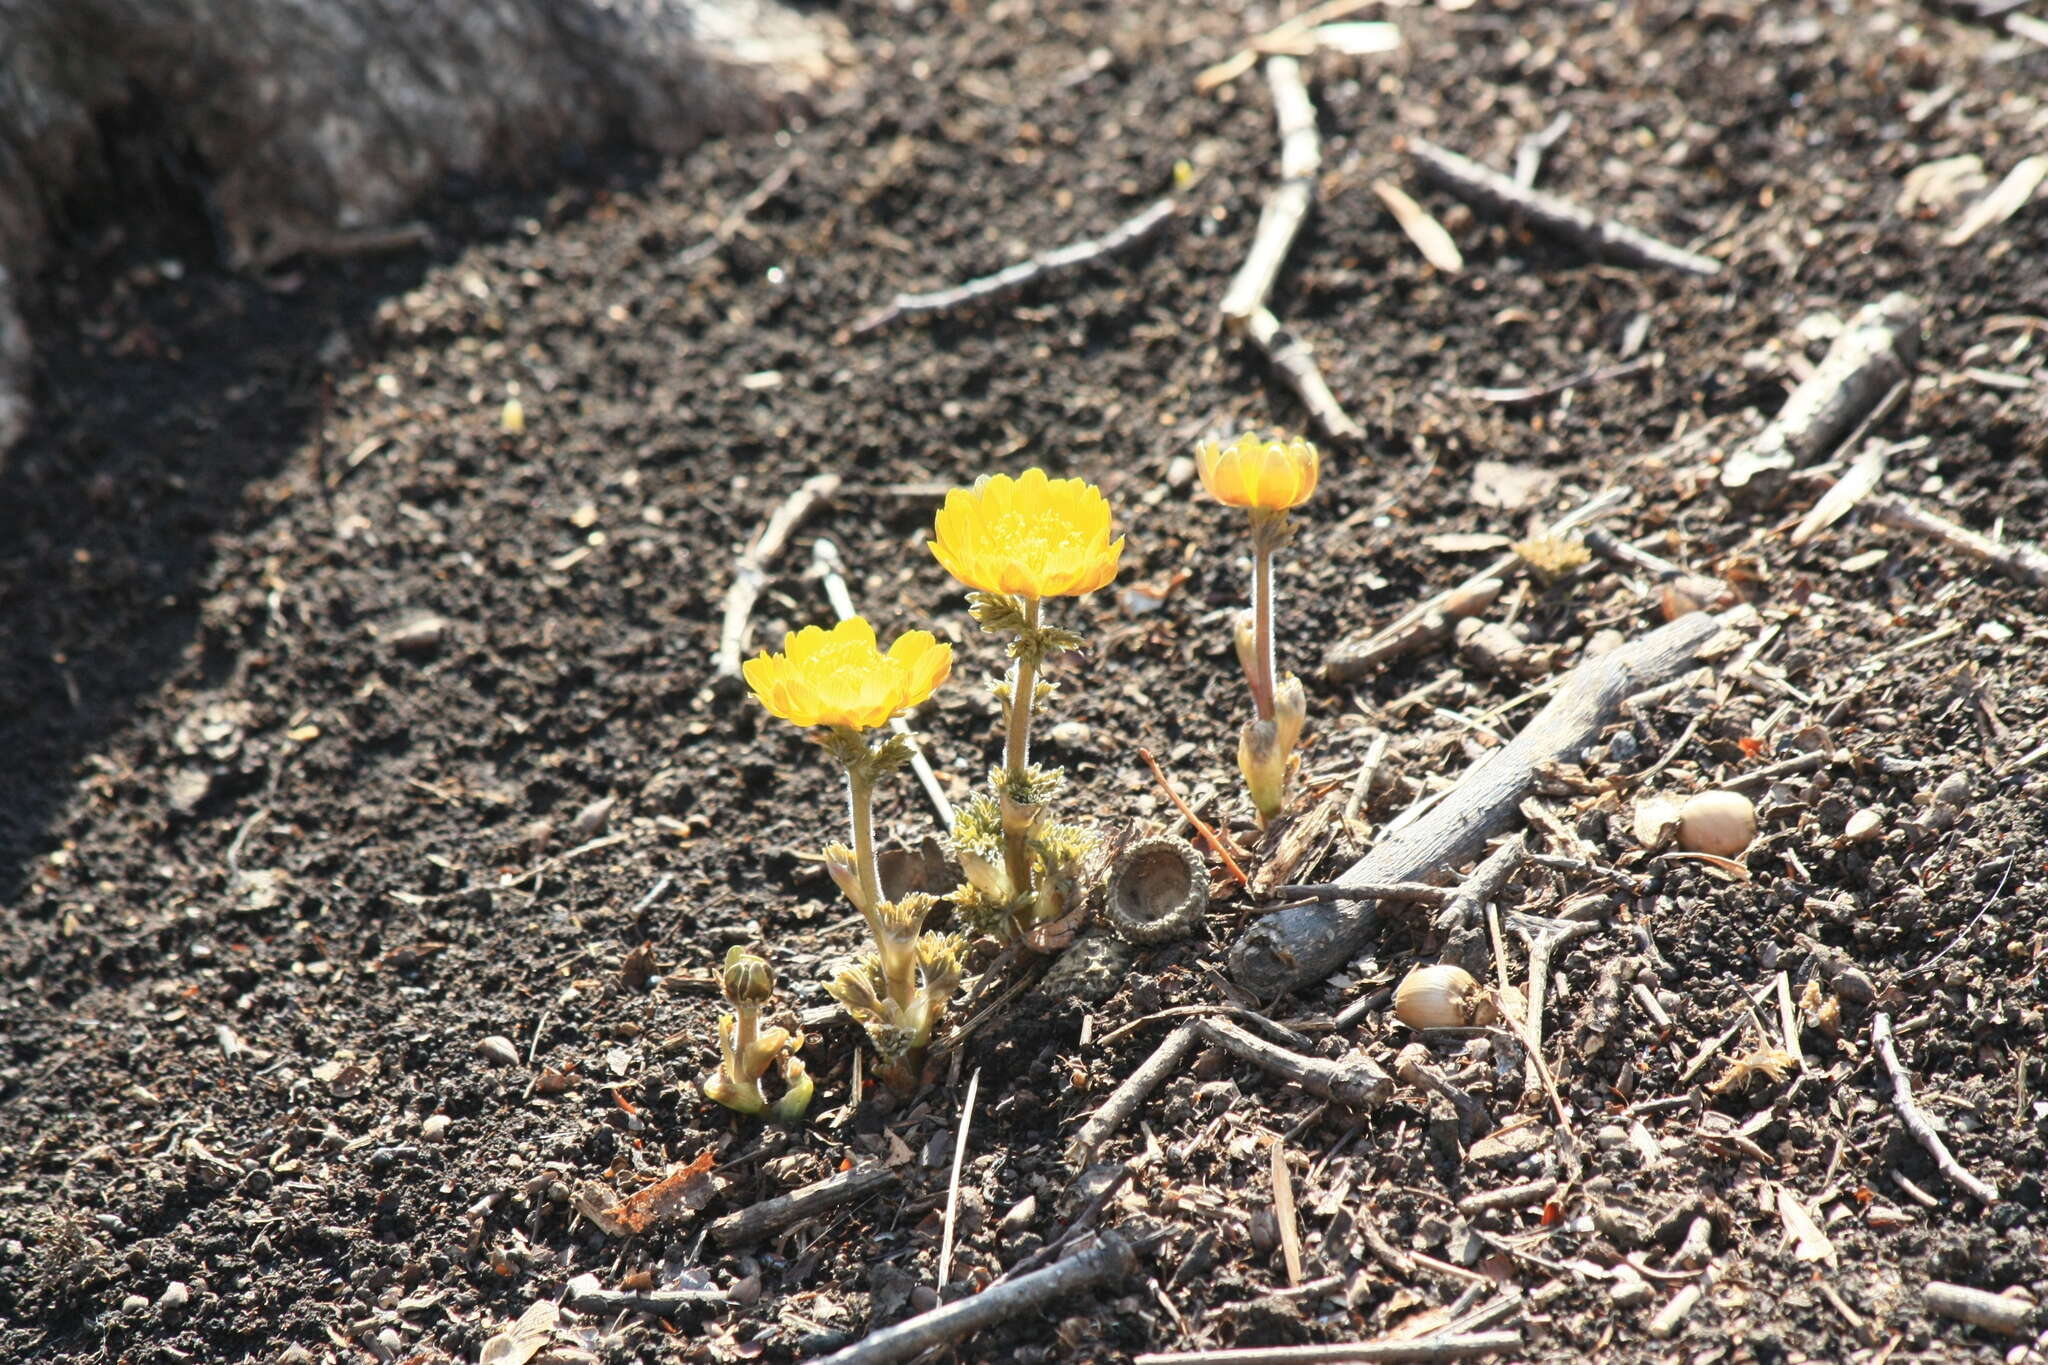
x: 1290, y: 712
x: 746, y: 978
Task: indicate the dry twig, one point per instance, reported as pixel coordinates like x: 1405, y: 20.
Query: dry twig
x: 1293, y: 947
x: 2022, y: 561
x: 1122, y: 237
x: 1447, y: 1347
x: 1596, y: 236
x: 771, y: 1216
x: 1296, y: 362
x: 1301, y: 156
x: 750, y: 575
x: 1978, y: 1307
x: 1209, y: 836
x: 1111, y: 1258
x: 1125, y: 1099
x: 1864, y: 364
x: 1356, y: 1081
x: 953, y: 1188
x: 1915, y: 1118
x: 1419, y: 626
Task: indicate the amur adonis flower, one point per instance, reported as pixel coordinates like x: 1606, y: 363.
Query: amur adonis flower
x: 1032, y: 537
x: 841, y: 678
x: 1261, y: 474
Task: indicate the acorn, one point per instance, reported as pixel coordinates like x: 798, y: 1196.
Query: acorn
x: 1442, y: 996
x: 1718, y: 822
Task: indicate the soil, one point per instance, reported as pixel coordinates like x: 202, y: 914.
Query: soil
x: 280, y: 853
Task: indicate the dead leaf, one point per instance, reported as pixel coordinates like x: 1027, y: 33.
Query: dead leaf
x: 523, y: 1340
x: 1773, y: 1062
x: 1809, y: 1242
x: 684, y: 1190
x: 639, y: 968
x: 1510, y: 487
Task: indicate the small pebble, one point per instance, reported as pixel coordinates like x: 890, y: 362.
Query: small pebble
x: 498, y: 1050
x: 1068, y: 734
x: 434, y: 1128
x: 1954, y: 791
x: 1863, y: 826
x: 175, y: 1295
x: 390, y: 1341
x: 1022, y: 1215
x: 134, y: 1303
x: 1611, y: 1137
x: 421, y: 635
x: 1180, y: 472
x: 924, y: 1298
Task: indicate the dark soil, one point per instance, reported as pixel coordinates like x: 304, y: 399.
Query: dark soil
x: 242, y: 833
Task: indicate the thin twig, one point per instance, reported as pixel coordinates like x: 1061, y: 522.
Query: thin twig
x: 1301, y: 156
x: 1109, y: 1259
x: 750, y: 575
x: 1529, y: 151
x: 1125, y: 1099
x: 1122, y: 237
x: 2019, y: 559
x: 1415, y: 893
x: 1599, y: 237
x: 953, y: 1190
x: 825, y: 554
x: 732, y: 222
x: 1283, y: 1213
x: 1875, y: 351
x: 1461, y: 1347
x: 1295, y: 360
x: 1208, y: 835
x: 1347, y: 660
x: 1356, y: 1081
x: 1915, y: 1118
x: 1287, y: 1036
x: 539, y: 869
x: 771, y: 1216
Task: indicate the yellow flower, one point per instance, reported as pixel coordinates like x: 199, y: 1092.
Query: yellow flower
x: 1265, y: 475
x: 1032, y: 536
x: 838, y: 676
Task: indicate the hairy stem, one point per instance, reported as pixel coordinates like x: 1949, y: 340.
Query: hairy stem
x: 1017, y: 746
x: 1262, y: 623
x: 860, y: 795
x: 746, y: 1024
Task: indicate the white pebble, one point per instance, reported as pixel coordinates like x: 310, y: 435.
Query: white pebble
x: 434, y: 1128
x: 176, y: 1295
x: 1718, y: 822
x: 498, y: 1050
x: 1863, y: 826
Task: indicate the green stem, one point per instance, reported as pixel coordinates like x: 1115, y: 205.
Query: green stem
x: 1017, y: 746
x: 1262, y: 623
x: 745, y: 1026
x: 860, y: 795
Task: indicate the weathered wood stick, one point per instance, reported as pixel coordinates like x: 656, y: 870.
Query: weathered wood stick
x: 1123, y: 236
x: 1295, y: 947
x: 1109, y: 1259
x: 2021, y: 560
x: 1462, y: 1347
x: 1978, y: 1307
x: 751, y: 573
x: 1356, y: 1081
x: 1600, y: 238
x: 771, y: 1216
x: 1507, y: 1197
x: 1915, y: 1118
x: 1412, y: 1065
x: 1124, y: 1100
x: 1295, y: 360
x: 1416, y: 628
x: 586, y: 1295
x: 1349, y: 659
x: 1301, y: 156
x: 1873, y: 354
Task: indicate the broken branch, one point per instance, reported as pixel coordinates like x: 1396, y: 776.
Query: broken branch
x: 1301, y: 156
x: 1294, y: 947
x: 1122, y: 237
x: 1356, y: 1081
x: 1598, y: 237
x: 750, y: 575
x: 1915, y: 1118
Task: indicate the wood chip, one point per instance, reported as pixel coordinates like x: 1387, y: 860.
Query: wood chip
x: 2008, y: 198
x: 1422, y: 228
